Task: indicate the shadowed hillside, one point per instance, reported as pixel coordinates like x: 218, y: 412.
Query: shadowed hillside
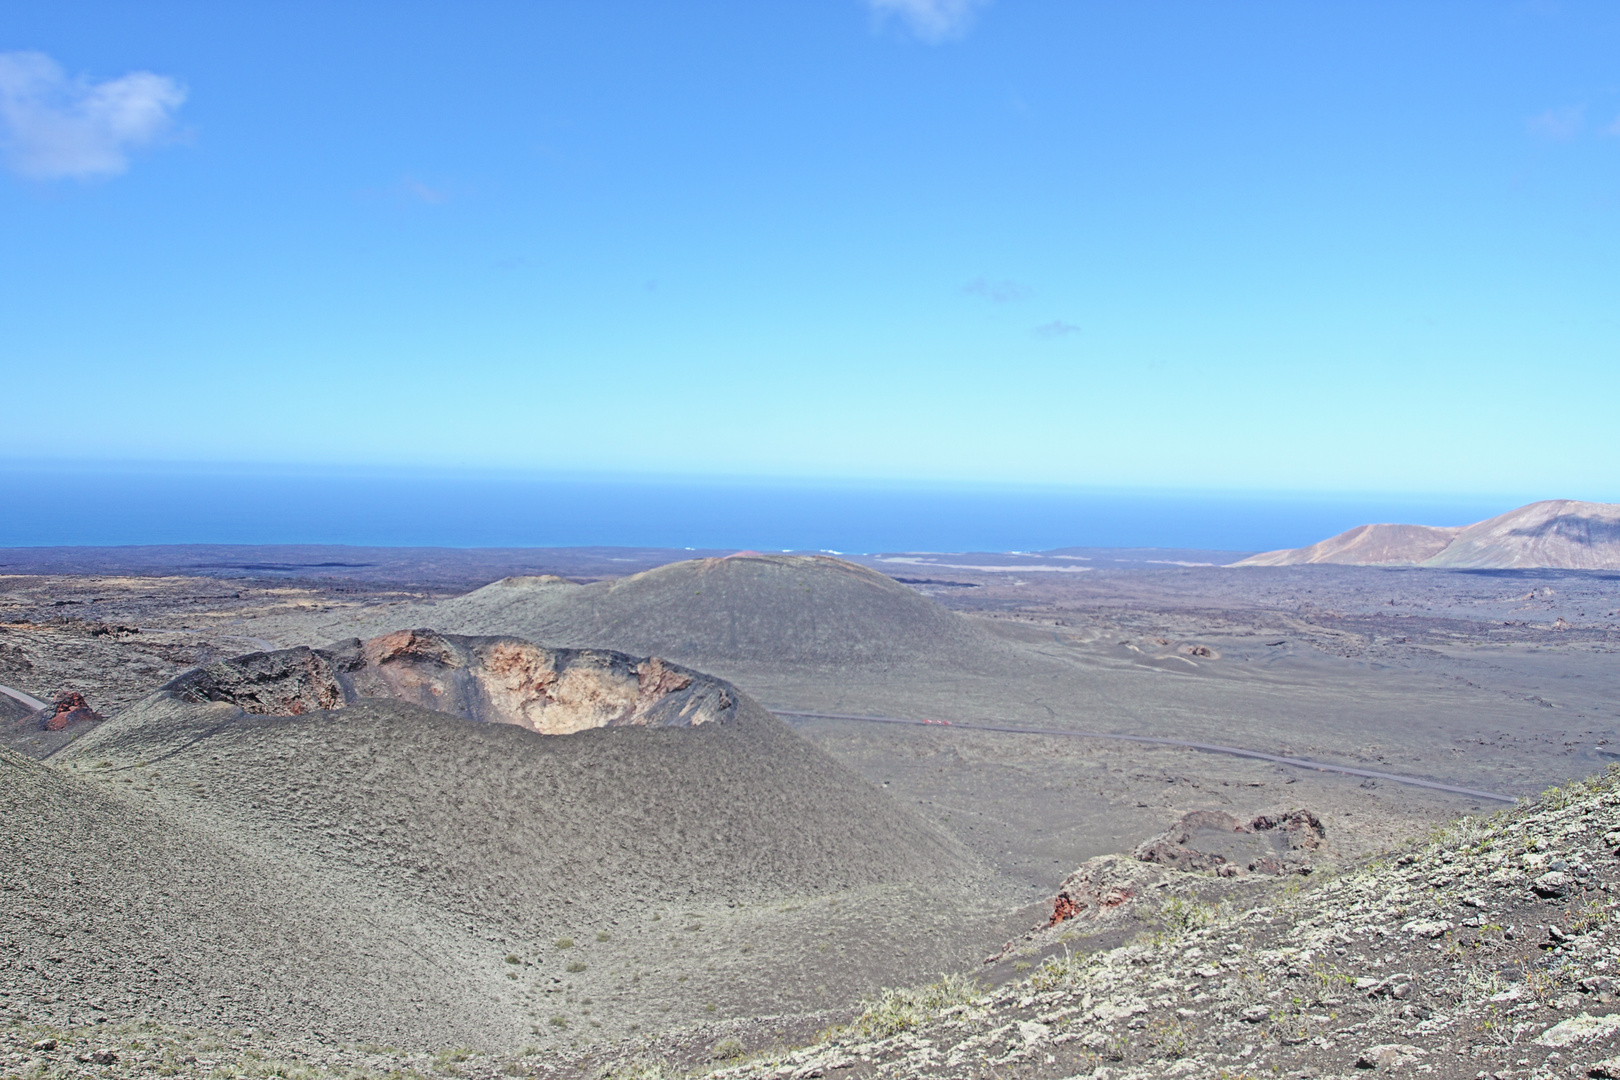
x: 1558, y: 533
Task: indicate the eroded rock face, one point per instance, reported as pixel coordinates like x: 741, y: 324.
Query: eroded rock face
x: 1214, y: 840
x: 497, y: 680
x: 1101, y: 885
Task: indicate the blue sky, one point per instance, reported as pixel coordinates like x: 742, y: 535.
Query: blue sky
x: 1262, y: 246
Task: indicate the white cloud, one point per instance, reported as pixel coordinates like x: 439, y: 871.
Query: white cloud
x: 53, y: 126
x: 419, y: 191
x: 1057, y: 328
x: 997, y: 292
x: 931, y: 20
x: 1561, y: 124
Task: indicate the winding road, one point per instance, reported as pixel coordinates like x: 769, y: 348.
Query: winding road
x: 1157, y: 740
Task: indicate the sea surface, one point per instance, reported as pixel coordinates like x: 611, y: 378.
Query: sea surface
x: 108, y: 505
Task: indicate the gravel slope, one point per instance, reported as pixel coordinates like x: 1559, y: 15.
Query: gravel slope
x: 1487, y: 951
x: 109, y: 905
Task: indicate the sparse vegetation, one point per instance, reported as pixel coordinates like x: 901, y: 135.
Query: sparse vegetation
x: 899, y: 1010
x: 636, y: 1069
x: 726, y: 1050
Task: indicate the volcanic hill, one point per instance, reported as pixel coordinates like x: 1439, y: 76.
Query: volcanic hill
x: 1558, y: 533
x: 1555, y: 534
x: 1365, y: 545
x: 776, y: 609
x: 379, y: 841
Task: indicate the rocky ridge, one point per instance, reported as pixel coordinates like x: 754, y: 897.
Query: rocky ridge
x: 44, y: 731
x: 1488, y: 952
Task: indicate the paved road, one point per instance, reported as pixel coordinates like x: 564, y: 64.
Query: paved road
x: 1208, y: 748
x: 27, y: 699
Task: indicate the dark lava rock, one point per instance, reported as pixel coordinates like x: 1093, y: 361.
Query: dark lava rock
x: 1214, y: 840
x: 1551, y: 885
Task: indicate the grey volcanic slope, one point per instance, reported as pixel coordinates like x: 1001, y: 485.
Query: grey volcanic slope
x: 1556, y: 534
x: 506, y: 819
x: 1365, y: 545
x: 788, y: 609
x: 411, y: 851
x: 142, y: 913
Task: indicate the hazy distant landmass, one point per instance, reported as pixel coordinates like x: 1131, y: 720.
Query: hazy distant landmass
x: 1561, y: 534
x: 1366, y: 545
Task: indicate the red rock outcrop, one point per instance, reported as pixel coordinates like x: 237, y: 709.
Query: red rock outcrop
x: 68, y: 709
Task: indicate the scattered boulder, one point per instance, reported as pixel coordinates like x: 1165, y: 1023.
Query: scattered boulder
x: 1607, y: 1069
x: 1426, y: 928
x: 1580, y: 1028
x: 1551, y: 885
x: 1389, y: 1056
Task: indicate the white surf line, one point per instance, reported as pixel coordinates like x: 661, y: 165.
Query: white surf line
x: 1158, y: 740
x: 27, y: 699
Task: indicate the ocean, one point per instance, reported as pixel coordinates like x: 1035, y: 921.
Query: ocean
x: 49, y: 505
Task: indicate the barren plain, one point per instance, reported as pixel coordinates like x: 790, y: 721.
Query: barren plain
x: 1018, y: 682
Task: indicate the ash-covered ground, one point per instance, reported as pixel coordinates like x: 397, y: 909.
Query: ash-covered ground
x: 1499, y: 682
